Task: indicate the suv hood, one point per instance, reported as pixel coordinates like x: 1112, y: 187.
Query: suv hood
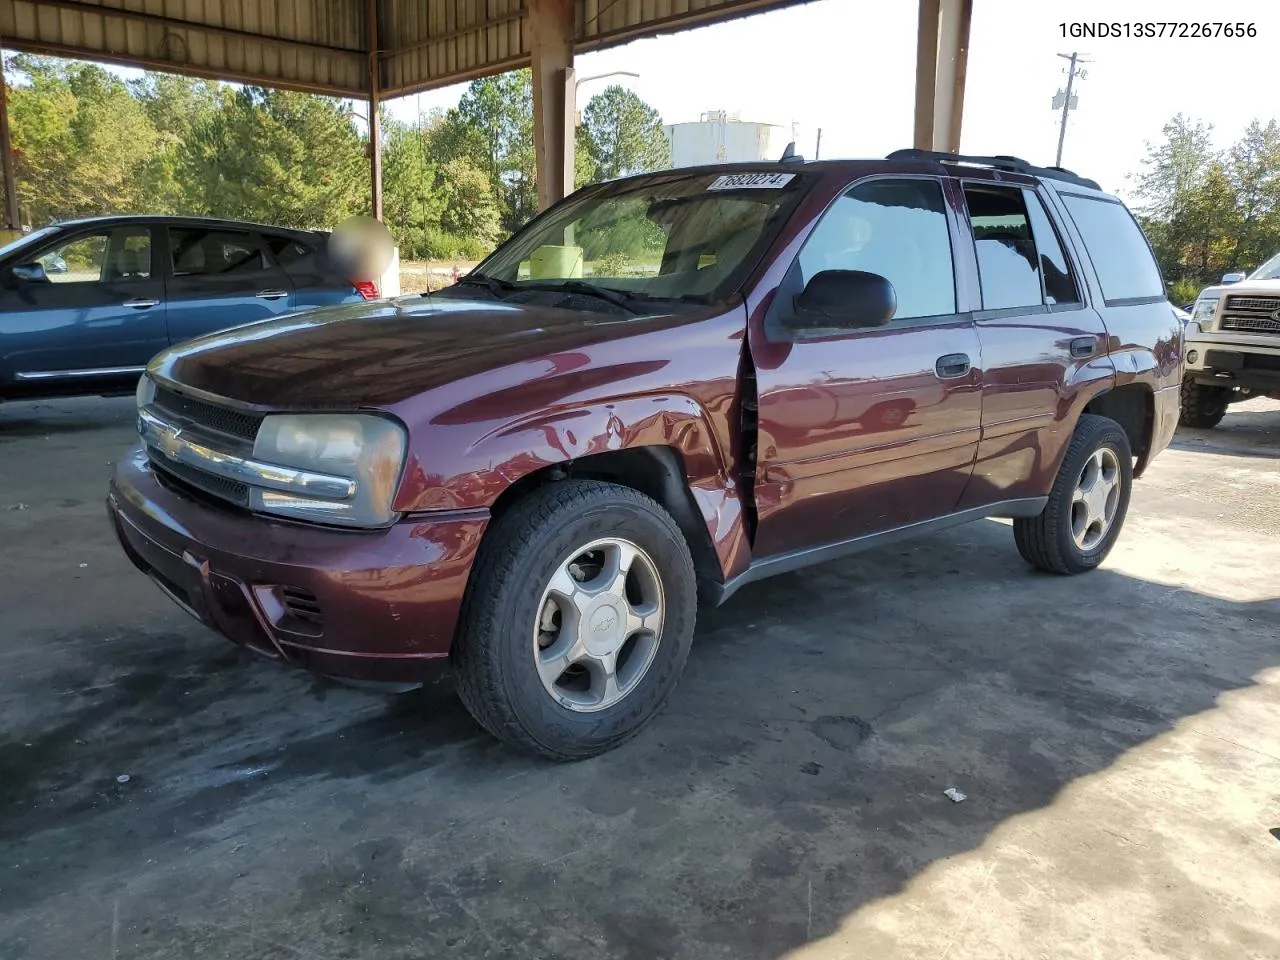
x: 377, y: 354
x: 1265, y: 287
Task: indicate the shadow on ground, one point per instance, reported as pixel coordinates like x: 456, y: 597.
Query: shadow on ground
x: 49, y: 418
x: 796, y: 776
x: 1250, y: 429
x: 821, y: 717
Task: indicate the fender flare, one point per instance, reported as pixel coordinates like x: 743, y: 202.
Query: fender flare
x: 690, y: 474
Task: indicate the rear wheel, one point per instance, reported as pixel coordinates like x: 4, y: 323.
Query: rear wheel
x: 1088, y: 503
x: 1203, y: 406
x: 577, y: 621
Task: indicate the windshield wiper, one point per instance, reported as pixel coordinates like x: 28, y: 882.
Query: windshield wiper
x: 499, y: 288
x: 616, y: 297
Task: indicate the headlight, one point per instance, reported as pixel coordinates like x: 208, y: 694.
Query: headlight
x: 1203, y: 311
x: 367, y: 449
x: 146, y: 392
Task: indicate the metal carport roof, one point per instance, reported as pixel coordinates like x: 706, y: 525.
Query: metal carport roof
x: 323, y: 45
x: 383, y: 48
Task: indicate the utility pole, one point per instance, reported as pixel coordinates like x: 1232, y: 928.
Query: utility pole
x: 817, y: 147
x: 375, y: 121
x: 1068, y: 101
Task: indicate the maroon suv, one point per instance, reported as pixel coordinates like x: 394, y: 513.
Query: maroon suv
x: 662, y: 389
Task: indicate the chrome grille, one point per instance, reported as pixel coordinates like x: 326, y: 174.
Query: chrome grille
x: 1251, y: 314
x: 1251, y: 324
x: 1264, y: 304
x: 207, y: 415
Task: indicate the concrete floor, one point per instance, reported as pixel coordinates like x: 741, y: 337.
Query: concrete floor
x: 1118, y: 737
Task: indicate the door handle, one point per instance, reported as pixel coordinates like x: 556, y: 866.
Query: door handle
x: 140, y: 303
x: 1082, y: 347
x: 272, y: 294
x: 952, y: 366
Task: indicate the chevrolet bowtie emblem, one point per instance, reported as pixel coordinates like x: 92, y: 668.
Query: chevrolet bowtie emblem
x: 168, y: 442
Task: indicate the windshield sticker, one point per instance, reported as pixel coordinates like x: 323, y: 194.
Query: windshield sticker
x: 752, y: 181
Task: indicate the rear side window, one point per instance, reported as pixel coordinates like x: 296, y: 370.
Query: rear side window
x: 288, y: 251
x: 1005, y: 248
x: 1020, y: 259
x: 213, y: 253
x: 1120, y: 253
x: 896, y: 228
x: 129, y: 255
x: 1055, y: 270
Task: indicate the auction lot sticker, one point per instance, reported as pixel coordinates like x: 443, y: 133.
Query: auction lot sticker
x: 751, y: 181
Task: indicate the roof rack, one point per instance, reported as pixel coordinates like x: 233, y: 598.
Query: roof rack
x: 1012, y: 164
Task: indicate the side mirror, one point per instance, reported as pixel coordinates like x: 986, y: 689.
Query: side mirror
x: 30, y: 273
x: 845, y: 298
x: 1232, y: 277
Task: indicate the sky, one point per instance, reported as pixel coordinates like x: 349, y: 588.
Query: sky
x: 848, y: 67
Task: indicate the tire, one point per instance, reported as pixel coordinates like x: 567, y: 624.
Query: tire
x: 522, y: 594
x: 1203, y: 407
x: 1049, y: 541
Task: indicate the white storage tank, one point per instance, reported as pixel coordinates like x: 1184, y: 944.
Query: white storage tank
x: 721, y: 137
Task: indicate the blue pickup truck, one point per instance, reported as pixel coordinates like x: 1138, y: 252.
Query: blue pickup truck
x: 85, y: 304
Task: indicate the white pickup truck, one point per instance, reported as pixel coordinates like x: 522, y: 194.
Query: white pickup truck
x: 1233, y: 345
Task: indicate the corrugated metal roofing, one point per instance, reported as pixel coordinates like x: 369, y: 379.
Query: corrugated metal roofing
x: 309, y: 44
x: 322, y: 45
x: 431, y: 44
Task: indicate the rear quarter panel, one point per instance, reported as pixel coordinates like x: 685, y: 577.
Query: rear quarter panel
x: 316, y: 281
x: 1144, y: 341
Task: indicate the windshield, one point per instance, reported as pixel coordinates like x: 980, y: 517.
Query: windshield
x: 672, y: 236
x: 30, y: 238
x: 1268, y: 271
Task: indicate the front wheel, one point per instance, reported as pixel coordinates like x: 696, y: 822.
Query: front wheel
x: 1203, y: 406
x: 577, y: 621
x: 1088, y: 503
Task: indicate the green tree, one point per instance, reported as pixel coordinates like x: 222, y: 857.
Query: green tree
x: 1253, y: 172
x: 82, y: 142
x: 1210, y: 220
x: 470, y: 209
x: 176, y: 107
x: 1172, y: 169
x: 177, y: 104
x: 584, y: 163
x: 1208, y: 211
x: 275, y: 155
x: 40, y: 114
x: 411, y: 203
x: 90, y: 143
x: 624, y: 134
x: 492, y: 128
x: 1188, y: 208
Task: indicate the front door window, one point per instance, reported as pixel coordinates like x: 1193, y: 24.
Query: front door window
x: 894, y: 228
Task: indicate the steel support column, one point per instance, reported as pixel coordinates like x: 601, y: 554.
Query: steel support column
x: 375, y: 122
x: 942, y: 56
x: 10, y: 220
x: 551, y: 28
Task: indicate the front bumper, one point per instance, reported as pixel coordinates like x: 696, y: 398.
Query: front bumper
x: 363, y: 605
x: 1226, y: 359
